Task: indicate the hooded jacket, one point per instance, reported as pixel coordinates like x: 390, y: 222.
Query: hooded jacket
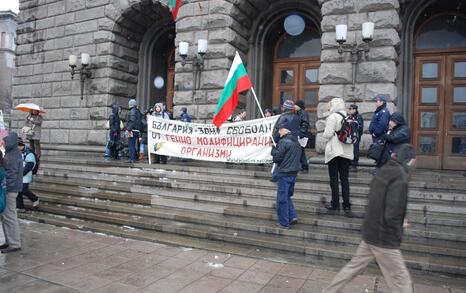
x: 162, y: 114
x: 386, y: 208
x: 399, y: 134
x: 133, y: 119
x: 114, y: 120
x: 13, y: 163
x: 334, y: 147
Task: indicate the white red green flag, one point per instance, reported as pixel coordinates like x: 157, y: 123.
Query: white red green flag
x: 174, y: 7
x: 237, y: 82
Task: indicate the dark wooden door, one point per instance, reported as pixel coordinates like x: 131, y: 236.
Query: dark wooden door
x: 439, y: 116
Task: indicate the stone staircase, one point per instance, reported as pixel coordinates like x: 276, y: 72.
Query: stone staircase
x: 230, y: 208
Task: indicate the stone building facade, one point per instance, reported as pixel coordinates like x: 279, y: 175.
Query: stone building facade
x: 133, y: 41
x: 7, y: 58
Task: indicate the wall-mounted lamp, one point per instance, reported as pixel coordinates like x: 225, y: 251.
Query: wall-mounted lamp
x: 84, y: 71
x: 341, y: 31
x: 197, y: 60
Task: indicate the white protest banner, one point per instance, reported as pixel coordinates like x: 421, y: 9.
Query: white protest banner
x: 240, y: 142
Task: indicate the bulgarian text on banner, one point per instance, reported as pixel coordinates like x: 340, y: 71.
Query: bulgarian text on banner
x: 240, y: 142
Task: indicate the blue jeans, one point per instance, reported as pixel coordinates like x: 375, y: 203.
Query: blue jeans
x: 132, y: 146
x: 285, y: 208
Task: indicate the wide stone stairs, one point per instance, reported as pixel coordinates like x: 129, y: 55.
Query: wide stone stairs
x: 230, y: 208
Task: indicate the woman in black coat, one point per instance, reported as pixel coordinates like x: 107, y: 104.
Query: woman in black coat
x: 397, y: 134
x: 114, y: 123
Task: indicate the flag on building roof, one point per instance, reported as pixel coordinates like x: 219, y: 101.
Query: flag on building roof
x: 174, y: 7
x: 237, y: 82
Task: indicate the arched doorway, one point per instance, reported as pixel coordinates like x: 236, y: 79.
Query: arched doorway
x: 439, y: 96
x: 296, y: 63
x: 156, y: 61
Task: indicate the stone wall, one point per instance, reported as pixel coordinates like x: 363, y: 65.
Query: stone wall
x: 111, y: 31
x: 377, y: 74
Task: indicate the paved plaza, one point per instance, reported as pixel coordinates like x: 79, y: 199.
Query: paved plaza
x: 59, y: 260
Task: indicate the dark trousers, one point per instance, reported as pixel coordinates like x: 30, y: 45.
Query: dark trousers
x: 304, y: 163
x: 285, y: 208
x: 355, y: 160
x: 34, y: 144
x: 339, y: 168
x: 28, y: 193
x: 132, y: 146
x: 161, y: 159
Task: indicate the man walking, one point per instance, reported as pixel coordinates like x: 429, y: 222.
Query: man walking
x: 353, y: 111
x: 383, y: 225
x: 287, y: 156
x: 13, y: 164
x: 29, y: 162
x: 380, y: 118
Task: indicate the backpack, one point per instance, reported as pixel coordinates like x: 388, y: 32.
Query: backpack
x: 348, y: 133
x: 37, y: 164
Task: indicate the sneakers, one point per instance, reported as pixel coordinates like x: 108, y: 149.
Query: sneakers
x: 348, y: 213
x: 294, y: 221
x: 35, y: 203
x: 332, y: 210
x: 281, y: 226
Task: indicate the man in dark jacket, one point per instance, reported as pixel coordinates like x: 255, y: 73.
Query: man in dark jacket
x: 379, y: 121
x: 13, y: 164
x: 287, y: 156
x: 114, y: 123
x: 353, y: 111
x: 383, y: 225
x: 289, y: 115
x: 303, y: 131
x: 184, y: 115
x: 398, y: 133
x: 133, y: 126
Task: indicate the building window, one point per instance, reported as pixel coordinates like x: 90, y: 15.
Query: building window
x: 3, y: 40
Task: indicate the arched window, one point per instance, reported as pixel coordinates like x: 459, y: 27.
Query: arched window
x: 305, y: 45
x: 443, y: 31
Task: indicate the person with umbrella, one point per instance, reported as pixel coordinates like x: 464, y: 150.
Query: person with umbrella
x: 32, y: 128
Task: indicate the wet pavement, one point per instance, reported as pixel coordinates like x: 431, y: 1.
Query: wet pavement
x: 60, y: 260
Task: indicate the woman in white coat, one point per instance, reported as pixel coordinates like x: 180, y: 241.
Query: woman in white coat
x: 338, y: 156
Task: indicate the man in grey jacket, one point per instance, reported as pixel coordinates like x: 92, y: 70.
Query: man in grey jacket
x: 13, y: 164
x: 383, y: 225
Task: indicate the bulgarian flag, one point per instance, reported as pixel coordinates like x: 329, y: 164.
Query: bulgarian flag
x: 237, y: 82
x: 174, y: 7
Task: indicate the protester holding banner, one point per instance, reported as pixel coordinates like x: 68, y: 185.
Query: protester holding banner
x: 286, y: 155
x: 160, y: 112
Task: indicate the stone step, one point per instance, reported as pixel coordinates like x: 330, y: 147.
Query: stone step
x: 227, y: 205
x: 320, y: 185
x: 330, y: 250
x: 415, y: 241
x: 267, y: 189
x: 423, y: 179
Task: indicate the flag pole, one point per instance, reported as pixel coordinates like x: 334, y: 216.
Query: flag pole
x: 262, y: 112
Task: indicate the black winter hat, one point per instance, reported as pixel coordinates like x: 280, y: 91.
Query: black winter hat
x: 398, y: 118
x: 301, y: 104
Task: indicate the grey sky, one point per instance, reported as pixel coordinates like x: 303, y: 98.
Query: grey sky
x: 12, y: 5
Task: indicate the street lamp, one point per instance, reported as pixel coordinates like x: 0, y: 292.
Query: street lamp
x: 84, y: 71
x: 197, y: 60
x: 355, y: 50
